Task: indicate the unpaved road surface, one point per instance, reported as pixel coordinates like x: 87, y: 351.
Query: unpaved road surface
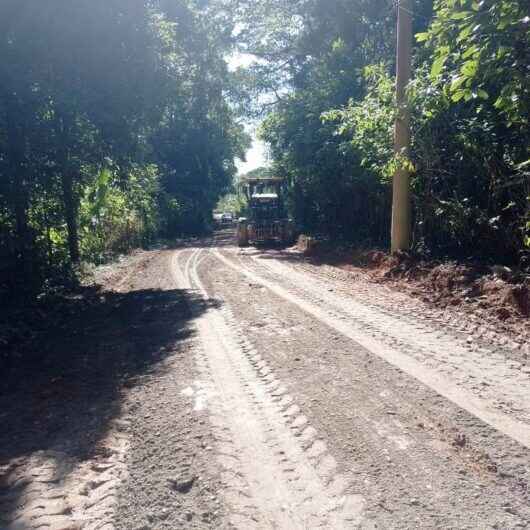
x: 217, y: 387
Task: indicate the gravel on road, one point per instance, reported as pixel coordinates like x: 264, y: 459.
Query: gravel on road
x: 211, y: 387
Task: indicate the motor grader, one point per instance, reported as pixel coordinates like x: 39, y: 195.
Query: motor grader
x: 267, y: 220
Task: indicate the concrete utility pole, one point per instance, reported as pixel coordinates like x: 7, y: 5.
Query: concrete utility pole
x: 401, y: 205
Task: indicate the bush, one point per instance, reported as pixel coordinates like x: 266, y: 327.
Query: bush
x: 116, y: 217
x: 470, y: 195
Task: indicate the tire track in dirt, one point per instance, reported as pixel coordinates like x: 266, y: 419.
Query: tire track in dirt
x: 72, y: 479
x: 395, y: 437
x: 358, y: 325
x: 460, y: 320
x: 54, y: 491
x: 279, y: 474
x: 481, y: 370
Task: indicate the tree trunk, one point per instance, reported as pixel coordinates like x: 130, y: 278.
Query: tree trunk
x: 70, y: 213
x: 21, y: 218
x: 19, y: 193
x: 66, y: 169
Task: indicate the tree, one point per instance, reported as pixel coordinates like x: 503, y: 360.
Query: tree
x: 134, y: 90
x: 331, y: 64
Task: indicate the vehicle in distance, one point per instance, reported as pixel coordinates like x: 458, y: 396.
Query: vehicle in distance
x: 227, y: 219
x: 267, y: 219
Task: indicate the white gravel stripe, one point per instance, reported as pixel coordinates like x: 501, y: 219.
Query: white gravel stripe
x: 482, y: 408
x: 277, y: 482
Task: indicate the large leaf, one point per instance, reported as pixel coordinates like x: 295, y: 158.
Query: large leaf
x: 469, y: 68
x: 422, y: 37
x: 437, y: 66
x: 460, y: 15
x: 457, y: 82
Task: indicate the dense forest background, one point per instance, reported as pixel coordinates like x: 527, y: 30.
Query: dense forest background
x: 116, y: 127
x: 120, y: 123
x: 331, y: 132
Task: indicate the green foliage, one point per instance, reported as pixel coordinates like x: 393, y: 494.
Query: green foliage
x: 118, y: 122
x: 482, y: 51
x: 331, y: 132
x: 115, y: 127
x: 473, y: 131
x: 117, y: 216
x: 322, y: 53
x: 369, y: 123
x: 232, y: 202
x: 456, y: 154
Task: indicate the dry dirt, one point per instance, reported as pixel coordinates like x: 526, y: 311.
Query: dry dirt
x: 96, y: 430
x: 495, y: 300
x: 212, y: 387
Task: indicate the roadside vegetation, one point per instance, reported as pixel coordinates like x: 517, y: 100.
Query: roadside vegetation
x: 331, y: 132
x: 145, y: 359
x: 121, y: 122
x: 116, y: 127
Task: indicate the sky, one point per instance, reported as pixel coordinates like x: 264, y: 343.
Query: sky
x: 257, y: 154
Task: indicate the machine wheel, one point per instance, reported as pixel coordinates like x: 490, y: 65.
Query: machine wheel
x: 242, y: 233
x: 289, y: 233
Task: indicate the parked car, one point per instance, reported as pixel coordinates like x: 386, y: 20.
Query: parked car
x: 227, y: 219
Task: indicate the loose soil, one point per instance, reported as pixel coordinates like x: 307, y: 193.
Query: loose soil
x: 96, y: 432
x: 495, y: 300
x: 211, y: 387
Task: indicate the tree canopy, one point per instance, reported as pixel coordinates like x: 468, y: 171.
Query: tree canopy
x: 116, y: 127
x: 331, y: 66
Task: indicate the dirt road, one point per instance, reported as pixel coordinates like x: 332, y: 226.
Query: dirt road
x: 252, y: 389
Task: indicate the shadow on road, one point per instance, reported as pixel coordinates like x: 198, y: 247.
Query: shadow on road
x: 61, y: 390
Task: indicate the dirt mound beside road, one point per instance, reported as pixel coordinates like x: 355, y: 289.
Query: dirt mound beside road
x: 498, y: 288
x: 496, y: 298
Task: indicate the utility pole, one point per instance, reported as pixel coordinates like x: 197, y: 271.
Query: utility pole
x: 401, y: 204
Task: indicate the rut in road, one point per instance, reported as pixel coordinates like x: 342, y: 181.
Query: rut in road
x: 438, y: 362
x: 278, y: 473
